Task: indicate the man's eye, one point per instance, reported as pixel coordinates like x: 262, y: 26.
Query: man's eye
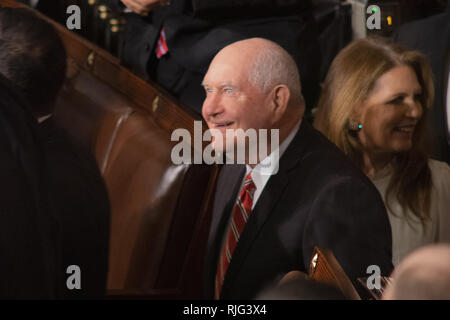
x: 228, y: 90
x: 208, y: 90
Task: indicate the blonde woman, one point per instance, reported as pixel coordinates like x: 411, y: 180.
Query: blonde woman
x: 373, y: 107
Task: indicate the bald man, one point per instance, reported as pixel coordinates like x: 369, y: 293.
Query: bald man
x: 422, y: 275
x: 269, y: 215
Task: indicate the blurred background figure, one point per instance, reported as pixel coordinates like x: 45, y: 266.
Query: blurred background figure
x: 28, y: 264
x: 422, y: 275
x: 432, y: 37
x: 374, y: 104
x: 173, y: 42
x: 192, y: 31
x: 33, y: 59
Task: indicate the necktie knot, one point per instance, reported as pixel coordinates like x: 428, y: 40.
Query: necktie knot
x: 248, y: 186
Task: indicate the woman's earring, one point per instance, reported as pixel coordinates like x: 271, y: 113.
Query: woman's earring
x: 354, y: 126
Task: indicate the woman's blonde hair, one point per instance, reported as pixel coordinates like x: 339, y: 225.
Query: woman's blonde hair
x: 348, y: 84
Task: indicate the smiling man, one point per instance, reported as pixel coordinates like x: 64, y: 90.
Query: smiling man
x: 263, y: 225
x: 239, y: 98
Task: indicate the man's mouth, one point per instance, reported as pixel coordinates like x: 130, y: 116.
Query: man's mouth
x: 223, y: 124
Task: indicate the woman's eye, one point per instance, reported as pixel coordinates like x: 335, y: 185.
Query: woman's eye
x: 418, y: 97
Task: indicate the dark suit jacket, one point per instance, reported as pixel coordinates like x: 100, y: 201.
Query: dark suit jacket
x: 317, y: 198
x: 432, y: 37
x: 79, y: 201
x: 27, y: 256
x: 197, y: 29
x: 54, y: 209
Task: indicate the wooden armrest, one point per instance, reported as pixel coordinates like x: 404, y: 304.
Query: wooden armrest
x: 326, y: 269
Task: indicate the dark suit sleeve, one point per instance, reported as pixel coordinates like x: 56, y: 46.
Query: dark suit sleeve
x: 408, y: 35
x: 27, y: 246
x: 209, y: 4
x: 349, y: 218
x: 212, y: 9
x: 80, y: 200
x: 27, y: 263
x: 116, y: 5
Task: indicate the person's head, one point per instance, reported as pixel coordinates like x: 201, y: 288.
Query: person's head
x: 32, y: 57
x: 373, y: 105
x: 252, y: 84
x: 422, y: 275
x: 375, y: 98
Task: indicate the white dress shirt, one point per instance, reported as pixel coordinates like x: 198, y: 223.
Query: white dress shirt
x: 262, y: 172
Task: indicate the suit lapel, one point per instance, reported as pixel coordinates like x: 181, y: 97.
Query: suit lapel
x: 268, y: 202
x: 266, y: 205
x: 229, y: 187
x: 229, y: 183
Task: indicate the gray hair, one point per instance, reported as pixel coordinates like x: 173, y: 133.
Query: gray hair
x: 273, y: 66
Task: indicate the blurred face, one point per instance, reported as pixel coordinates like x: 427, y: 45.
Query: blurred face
x: 391, y: 112
x: 232, y: 102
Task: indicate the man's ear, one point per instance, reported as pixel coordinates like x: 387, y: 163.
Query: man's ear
x: 279, y: 101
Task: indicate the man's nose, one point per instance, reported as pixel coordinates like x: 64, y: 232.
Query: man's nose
x: 211, y: 106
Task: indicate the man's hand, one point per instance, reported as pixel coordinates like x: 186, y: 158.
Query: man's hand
x: 143, y: 7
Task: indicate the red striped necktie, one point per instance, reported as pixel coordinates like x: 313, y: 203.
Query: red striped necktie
x: 239, y: 217
x: 161, y: 46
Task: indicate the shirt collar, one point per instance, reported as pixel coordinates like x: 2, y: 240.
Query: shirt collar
x: 264, y: 170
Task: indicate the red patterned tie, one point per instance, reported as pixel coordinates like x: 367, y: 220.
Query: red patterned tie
x: 240, y: 214
x: 161, y: 46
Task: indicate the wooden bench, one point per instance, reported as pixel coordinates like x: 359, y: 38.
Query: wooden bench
x: 159, y: 211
